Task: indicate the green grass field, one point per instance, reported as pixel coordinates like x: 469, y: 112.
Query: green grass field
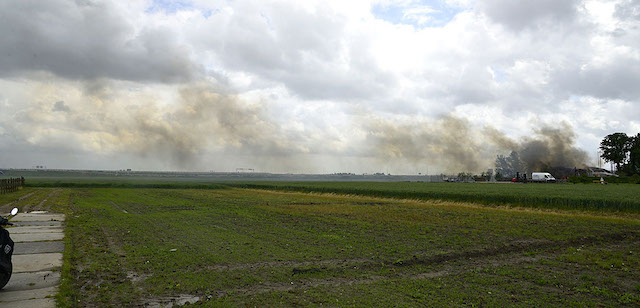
x: 248, y: 247
x: 613, y: 197
x: 582, y: 197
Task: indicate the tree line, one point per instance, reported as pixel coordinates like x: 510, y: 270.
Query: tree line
x: 623, y: 151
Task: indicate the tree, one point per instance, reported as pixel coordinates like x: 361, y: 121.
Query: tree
x: 508, y: 166
x: 633, y: 167
x: 502, y: 166
x: 516, y: 163
x: 615, y: 147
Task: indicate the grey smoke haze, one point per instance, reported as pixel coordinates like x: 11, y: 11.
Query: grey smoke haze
x: 204, y: 118
x: 207, y: 121
x: 448, y: 142
x: 551, y: 147
x: 453, y: 143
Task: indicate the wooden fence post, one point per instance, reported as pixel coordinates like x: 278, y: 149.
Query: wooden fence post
x: 11, y: 184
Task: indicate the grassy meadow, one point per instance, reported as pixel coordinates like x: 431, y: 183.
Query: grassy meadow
x: 311, y: 244
x: 612, y: 197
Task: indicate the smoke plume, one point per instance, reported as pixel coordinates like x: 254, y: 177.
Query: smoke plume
x: 447, y: 142
x: 453, y: 144
x: 551, y: 147
x: 200, y: 121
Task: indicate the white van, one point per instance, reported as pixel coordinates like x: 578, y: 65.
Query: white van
x: 542, y: 177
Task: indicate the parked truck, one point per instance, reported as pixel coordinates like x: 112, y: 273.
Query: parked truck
x: 545, y: 177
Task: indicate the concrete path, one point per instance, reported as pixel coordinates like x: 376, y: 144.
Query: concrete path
x: 37, y: 257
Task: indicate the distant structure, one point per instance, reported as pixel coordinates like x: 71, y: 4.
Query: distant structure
x: 239, y: 170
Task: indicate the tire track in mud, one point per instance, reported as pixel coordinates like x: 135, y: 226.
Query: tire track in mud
x: 453, y: 263
x: 7, y: 207
x: 517, y: 246
x: 112, y: 245
x: 117, y: 206
x: 41, y: 205
x: 447, y: 270
x: 268, y: 264
x: 54, y: 193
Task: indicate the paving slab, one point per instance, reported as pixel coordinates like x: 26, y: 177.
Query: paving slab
x: 37, y: 237
x: 37, y: 262
x: 27, y: 248
x: 33, y: 303
x: 34, y: 229
x: 37, y: 253
x: 31, y: 281
x: 11, y: 296
x: 38, y: 217
x: 36, y: 223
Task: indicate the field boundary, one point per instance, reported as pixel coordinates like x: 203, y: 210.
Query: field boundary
x: 11, y: 185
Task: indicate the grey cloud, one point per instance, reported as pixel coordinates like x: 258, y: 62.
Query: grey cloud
x: 618, y: 80
x: 308, y: 52
x: 628, y: 9
x: 87, y: 40
x: 518, y: 15
x: 61, y: 107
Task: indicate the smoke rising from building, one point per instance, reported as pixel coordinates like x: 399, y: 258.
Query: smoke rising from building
x: 452, y: 143
x: 551, y: 147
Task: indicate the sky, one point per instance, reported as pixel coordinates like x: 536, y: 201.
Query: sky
x: 361, y: 86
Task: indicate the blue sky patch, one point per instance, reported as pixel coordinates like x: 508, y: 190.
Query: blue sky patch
x: 499, y: 75
x: 169, y: 6
x: 173, y: 6
x: 420, y: 14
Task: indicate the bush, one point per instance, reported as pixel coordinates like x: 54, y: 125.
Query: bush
x: 619, y: 180
x: 574, y: 179
x: 582, y: 179
x: 635, y: 179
